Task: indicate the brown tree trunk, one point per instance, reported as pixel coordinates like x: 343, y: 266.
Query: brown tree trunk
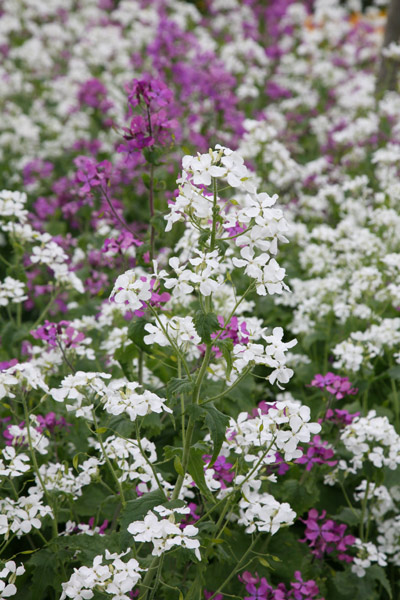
x: 388, y: 68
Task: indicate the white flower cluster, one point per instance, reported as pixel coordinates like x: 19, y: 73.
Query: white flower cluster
x: 260, y: 225
x: 286, y: 424
x: 12, y: 291
x: 372, y: 439
x: 58, y: 477
x: 367, y: 553
x: 260, y: 511
x: 24, y: 374
x: 123, y: 397
x: 115, y: 577
x: 40, y: 443
x: 389, y: 539
x: 180, y: 330
x: 13, y: 464
x: 380, y: 499
x: 131, y: 289
x: 11, y: 571
x: 272, y: 355
x: 163, y: 533
x: 79, y: 389
x: 22, y: 515
x: 12, y: 204
x: 129, y: 459
x: 362, y: 346
x: 80, y: 529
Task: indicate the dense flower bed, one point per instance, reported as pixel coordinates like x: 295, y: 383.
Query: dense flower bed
x: 199, y: 301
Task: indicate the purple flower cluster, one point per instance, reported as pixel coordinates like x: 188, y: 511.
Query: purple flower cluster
x: 340, y: 417
x: 325, y: 536
x: 125, y: 240
x: 93, y: 93
x: 92, y: 174
x: 48, y: 422
x: 318, y: 453
x: 334, y: 384
x: 155, y: 126
x: 259, y: 588
x: 223, y: 469
x: 53, y: 333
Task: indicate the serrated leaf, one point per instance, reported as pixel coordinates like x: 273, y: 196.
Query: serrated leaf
x: 206, y: 324
x: 216, y: 423
x: 379, y: 574
x: 196, y: 470
x: 176, y: 387
x: 222, y: 247
x: 226, y: 347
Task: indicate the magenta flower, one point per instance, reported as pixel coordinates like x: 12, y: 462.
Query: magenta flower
x: 222, y: 469
x: 340, y: 417
x: 326, y: 536
x: 52, y: 333
x: 317, y: 453
x: 334, y: 384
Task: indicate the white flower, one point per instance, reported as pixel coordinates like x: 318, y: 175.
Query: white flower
x: 122, y: 397
x: 252, y: 263
x: 131, y: 290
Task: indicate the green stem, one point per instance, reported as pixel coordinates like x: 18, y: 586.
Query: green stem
x: 214, y: 213
x: 158, y: 575
x: 171, y: 341
x: 250, y: 288
x: 46, y: 309
x: 182, y: 399
x: 363, y: 509
x: 237, y: 568
x: 115, y: 476
x: 228, y: 389
x: 143, y: 453
x: 36, y: 468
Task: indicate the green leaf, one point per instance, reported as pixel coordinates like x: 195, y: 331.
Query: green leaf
x: 311, y: 338
x: 394, y: 372
x: 222, y: 247
x: 136, y: 333
x: 226, y: 347
x: 125, y: 358
x: 176, y: 387
x: 205, y: 324
x: 216, y: 423
x: 379, y: 574
x: 196, y: 470
x: 349, y: 516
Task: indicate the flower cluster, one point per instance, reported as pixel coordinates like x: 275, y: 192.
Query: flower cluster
x: 327, y: 536
x: 163, y: 533
x: 108, y: 574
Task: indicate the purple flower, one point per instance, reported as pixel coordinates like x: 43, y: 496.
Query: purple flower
x: 317, y: 453
x: 222, y: 469
x: 334, y: 384
x: 326, y: 536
